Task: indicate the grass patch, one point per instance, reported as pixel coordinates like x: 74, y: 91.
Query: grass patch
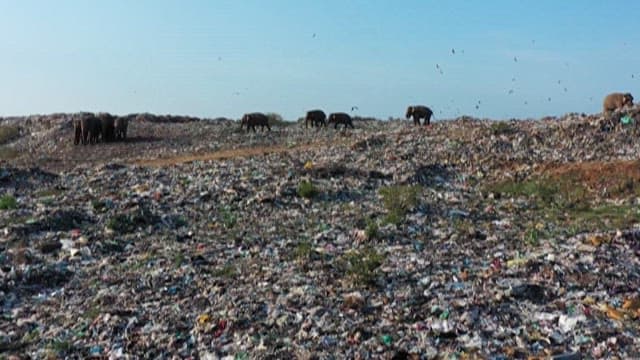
x: 8, y: 202
x: 362, y: 266
x: 603, y: 217
x: 303, y: 250
x: 307, y: 190
x: 228, y: 217
x: 398, y: 200
x: 570, y: 206
x: 371, y: 230
x: 178, y: 260
x: 545, y: 193
x: 532, y: 236
x: 8, y: 133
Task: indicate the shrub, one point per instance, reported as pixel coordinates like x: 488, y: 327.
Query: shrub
x: 277, y: 120
x: 307, y: 190
x: 371, y: 231
x: 362, y: 265
x: 8, y: 202
x: 398, y: 200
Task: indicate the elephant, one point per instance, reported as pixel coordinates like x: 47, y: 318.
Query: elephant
x: 419, y: 112
x: 87, y: 129
x: 120, y: 127
x: 615, y: 101
x: 77, y: 131
x: 317, y: 118
x: 253, y: 119
x: 340, y: 118
x: 107, y: 123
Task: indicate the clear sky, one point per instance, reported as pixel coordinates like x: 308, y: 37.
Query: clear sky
x: 210, y: 58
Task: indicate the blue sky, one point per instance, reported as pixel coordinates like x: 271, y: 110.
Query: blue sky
x: 223, y: 58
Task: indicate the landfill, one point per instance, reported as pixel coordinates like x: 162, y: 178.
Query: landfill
x: 195, y: 239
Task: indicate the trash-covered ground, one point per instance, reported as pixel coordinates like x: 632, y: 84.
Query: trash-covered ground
x: 192, y: 239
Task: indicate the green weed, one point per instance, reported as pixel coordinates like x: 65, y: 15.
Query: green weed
x: 8, y: 202
x: 363, y: 265
x: 307, y: 190
x: 398, y: 200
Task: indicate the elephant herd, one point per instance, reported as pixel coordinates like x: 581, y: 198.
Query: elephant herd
x: 91, y: 128
x: 318, y: 118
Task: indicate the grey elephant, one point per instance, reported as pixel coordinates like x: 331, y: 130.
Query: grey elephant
x: 252, y: 120
x: 87, y: 129
x: 615, y: 101
x: 316, y: 118
x: 340, y: 118
x: 107, y: 123
x: 419, y: 112
x: 120, y: 127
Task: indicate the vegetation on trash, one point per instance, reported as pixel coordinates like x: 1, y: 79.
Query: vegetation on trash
x: 277, y: 120
x: 228, y: 217
x: 398, y: 200
x: 307, y: 190
x: 576, y: 200
x: 371, y: 231
x: 303, y: 250
x: 362, y: 265
x: 8, y: 202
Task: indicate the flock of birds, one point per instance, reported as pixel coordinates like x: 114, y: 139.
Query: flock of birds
x: 477, y: 105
